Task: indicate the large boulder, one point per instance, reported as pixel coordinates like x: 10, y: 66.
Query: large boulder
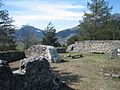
x: 49, y: 52
x: 6, y: 76
x: 34, y: 74
x: 70, y: 48
x: 38, y: 74
x: 52, y: 54
x: 115, y: 53
x: 34, y: 65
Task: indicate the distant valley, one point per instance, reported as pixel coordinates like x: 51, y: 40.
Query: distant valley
x: 30, y: 30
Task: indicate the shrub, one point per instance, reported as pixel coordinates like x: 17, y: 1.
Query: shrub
x: 72, y: 39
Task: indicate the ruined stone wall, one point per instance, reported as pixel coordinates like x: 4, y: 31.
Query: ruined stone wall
x: 49, y: 52
x: 94, y: 46
x: 11, y: 56
x: 36, y: 50
x: 34, y: 74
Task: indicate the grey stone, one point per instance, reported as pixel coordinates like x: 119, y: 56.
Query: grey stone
x: 34, y: 74
x: 49, y: 52
x: 115, y: 53
x: 70, y: 48
x: 68, y: 55
x: 116, y: 75
x: 6, y: 76
x: 107, y: 74
x: 101, y: 46
x: 20, y: 72
x: 38, y: 74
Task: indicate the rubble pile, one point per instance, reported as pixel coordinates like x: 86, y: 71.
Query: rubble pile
x: 34, y: 74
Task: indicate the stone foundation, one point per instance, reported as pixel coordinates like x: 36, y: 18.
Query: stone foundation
x: 103, y: 46
x: 11, y: 56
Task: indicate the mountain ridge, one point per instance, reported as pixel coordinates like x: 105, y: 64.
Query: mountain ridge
x: 64, y: 34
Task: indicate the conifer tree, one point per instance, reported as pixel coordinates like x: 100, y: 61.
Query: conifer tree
x: 96, y: 21
x: 7, y: 31
x: 50, y: 36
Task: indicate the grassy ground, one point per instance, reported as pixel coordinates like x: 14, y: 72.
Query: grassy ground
x: 85, y: 73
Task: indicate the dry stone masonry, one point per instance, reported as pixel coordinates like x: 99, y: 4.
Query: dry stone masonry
x: 49, y: 52
x: 103, y: 46
x: 11, y: 56
x: 115, y: 53
x: 34, y: 74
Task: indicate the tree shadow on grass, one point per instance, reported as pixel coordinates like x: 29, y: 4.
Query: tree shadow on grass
x: 66, y: 87
x: 62, y: 61
x: 68, y: 77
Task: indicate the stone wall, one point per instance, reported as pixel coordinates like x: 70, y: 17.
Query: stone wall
x: 103, y: 46
x: 11, y: 56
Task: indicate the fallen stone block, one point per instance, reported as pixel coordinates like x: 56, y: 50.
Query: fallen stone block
x: 77, y: 56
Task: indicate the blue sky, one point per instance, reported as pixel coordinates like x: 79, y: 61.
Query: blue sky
x: 38, y: 13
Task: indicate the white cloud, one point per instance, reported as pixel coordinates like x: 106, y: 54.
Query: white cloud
x: 36, y: 11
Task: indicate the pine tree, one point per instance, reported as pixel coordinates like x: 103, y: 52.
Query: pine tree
x: 50, y: 36
x: 95, y: 22
x: 7, y: 31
